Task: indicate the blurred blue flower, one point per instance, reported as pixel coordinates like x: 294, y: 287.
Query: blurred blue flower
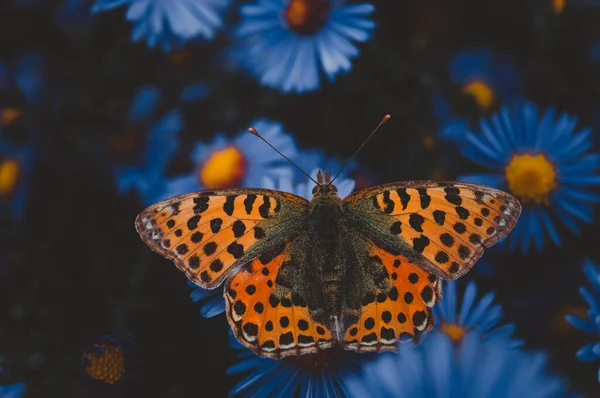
x: 241, y: 161
x: 16, y: 164
x: 211, y: 301
x: 544, y: 162
x: 287, y: 43
x: 148, y: 176
x: 476, y: 367
x: 15, y: 390
x: 457, y: 321
x: 111, y: 359
x: 489, y: 79
x: 325, y: 374
x: 465, y: 355
x: 169, y: 24
x: 450, y: 127
x: 590, y: 352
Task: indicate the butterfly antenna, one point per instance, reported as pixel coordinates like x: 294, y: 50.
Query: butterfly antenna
x: 254, y: 132
x: 385, y: 119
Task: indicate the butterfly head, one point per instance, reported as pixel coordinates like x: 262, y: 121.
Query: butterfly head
x: 324, y: 187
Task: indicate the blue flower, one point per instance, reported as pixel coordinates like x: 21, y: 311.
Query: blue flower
x: 110, y: 360
x: 477, y: 367
x: 487, y: 78
x: 211, y: 301
x: 147, y: 177
x: 170, y: 23
x: 590, y: 352
x: 465, y: 355
x: 304, y: 187
x: 544, y: 162
x: 15, y: 390
x: 325, y: 374
x: 238, y: 162
x: 472, y: 314
x: 450, y: 127
x: 287, y: 43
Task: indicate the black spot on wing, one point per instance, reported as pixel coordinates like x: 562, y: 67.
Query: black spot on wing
x: 424, y: 198
x: 263, y: 209
x: 439, y: 217
x: 201, y: 204
x: 387, y: 203
x: 453, y: 195
x: 215, y: 225
x: 404, y: 197
x: 228, y: 206
x: 249, y: 202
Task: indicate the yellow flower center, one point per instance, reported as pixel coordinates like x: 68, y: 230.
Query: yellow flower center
x: 482, y: 92
x: 225, y: 168
x: 454, y: 331
x: 306, y: 17
x: 9, y: 176
x: 9, y: 115
x: 557, y: 6
x: 531, y: 177
x: 108, y: 366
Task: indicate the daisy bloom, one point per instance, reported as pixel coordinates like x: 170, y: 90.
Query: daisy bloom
x: 542, y: 160
x: 172, y: 23
x: 591, y: 325
x: 286, y: 44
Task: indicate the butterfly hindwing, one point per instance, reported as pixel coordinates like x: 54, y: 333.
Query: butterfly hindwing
x: 208, y: 234
x: 441, y: 226
x: 397, y: 307
x: 265, y: 313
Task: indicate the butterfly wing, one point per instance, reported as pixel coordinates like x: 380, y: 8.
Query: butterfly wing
x: 443, y: 227
x: 395, y: 306
x: 209, y: 234
x: 266, y: 308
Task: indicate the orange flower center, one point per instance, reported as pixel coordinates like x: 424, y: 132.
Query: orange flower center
x: 306, y: 17
x: 454, y: 331
x: 107, y: 367
x: 531, y: 177
x: 9, y: 115
x: 9, y: 176
x: 225, y: 168
x: 557, y: 6
x: 482, y: 92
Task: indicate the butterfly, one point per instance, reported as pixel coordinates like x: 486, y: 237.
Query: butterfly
x: 303, y: 276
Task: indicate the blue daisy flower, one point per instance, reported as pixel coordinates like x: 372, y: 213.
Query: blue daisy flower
x: 450, y: 127
x: 544, y: 162
x: 147, y: 177
x: 488, y: 79
x: 241, y: 161
x: 590, y: 352
x: 211, y: 301
x: 325, y: 374
x: 466, y: 354
x: 287, y: 43
x: 457, y: 321
x: 172, y: 23
x: 477, y: 367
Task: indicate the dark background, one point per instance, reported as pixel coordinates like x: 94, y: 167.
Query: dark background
x: 76, y: 268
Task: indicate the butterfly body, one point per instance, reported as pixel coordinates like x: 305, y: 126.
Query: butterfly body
x: 300, y: 276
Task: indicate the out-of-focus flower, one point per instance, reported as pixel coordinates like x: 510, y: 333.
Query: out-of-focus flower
x: 590, y: 352
x: 544, y: 162
x: 169, y: 24
x: 465, y: 355
x: 15, y: 390
x: 211, y: 301
x: 107, y: 360
x: 325, y: 374
x: 488, y: 79
x: 451, y: 127
x: 16, y: 164
x: 558, y: 6
x: 286, y: 44
x: 241, y: 161
x: 145, y: 165
x: 456, y: 321
x: 477, y: 367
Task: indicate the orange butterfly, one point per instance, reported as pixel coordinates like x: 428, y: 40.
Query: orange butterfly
x: 362, y: 273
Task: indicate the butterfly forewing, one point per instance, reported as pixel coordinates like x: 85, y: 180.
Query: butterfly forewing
x: 210, y: 233
x: 441, y: 226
